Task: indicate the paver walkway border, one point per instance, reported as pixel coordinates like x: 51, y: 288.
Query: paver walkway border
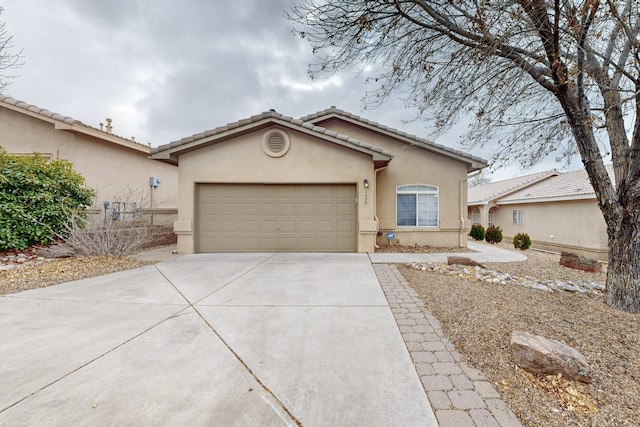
x: 459, y: 394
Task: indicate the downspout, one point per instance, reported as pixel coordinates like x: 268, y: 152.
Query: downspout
x: 463, y: 182
x: 375, y: 203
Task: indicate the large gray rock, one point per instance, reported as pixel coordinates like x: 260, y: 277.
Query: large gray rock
x: 60, y: 250
x: 460, y: 260
x: 540, y: 355
x: 578, y: 262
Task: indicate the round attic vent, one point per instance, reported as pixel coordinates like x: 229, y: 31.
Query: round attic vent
x: 275, y: 143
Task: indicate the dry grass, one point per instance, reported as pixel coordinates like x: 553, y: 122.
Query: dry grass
x: 480, y: 317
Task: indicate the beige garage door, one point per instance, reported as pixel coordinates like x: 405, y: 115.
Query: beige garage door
x: 259, y: 217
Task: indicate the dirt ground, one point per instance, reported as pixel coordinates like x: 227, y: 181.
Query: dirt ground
x: 480, y: 317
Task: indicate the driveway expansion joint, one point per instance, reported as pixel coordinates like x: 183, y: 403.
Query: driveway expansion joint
x: 458, y: 393
x: 276, y: 403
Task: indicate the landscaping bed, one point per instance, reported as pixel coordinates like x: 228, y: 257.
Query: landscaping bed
x: 479, y: 317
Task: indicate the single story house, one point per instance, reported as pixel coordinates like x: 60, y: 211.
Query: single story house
x: 118, y: 169
x: 331, y: 181
x: 557, y: 210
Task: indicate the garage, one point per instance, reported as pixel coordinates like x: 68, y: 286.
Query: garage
x: 276, y: 218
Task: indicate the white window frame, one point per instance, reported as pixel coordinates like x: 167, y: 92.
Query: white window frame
x: 491, y: 217
x: 424, y: 190
x: 476, y: 215
x: 517, y: 217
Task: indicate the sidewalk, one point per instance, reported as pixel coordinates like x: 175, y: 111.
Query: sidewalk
x: 484, y: 253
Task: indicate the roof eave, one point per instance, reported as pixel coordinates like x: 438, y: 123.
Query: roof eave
x: 172, y: 151
x: 473, y: 163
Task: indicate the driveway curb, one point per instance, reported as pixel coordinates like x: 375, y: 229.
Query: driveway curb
x: 459, y: 394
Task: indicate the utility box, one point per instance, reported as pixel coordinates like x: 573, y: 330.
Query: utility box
x: 154, y: 182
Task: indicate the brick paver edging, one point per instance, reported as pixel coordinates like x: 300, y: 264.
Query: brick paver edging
x: 459, y: 394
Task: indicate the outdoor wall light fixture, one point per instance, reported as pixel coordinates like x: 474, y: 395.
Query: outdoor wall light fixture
x: 366, y: 183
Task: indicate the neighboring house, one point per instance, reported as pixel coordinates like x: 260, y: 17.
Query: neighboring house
x: 117, y: 168
x: 557, y: 210
x: 330, y: 182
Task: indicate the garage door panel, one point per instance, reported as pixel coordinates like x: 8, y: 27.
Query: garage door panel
x: 256, y: 217
x: 269, y: 208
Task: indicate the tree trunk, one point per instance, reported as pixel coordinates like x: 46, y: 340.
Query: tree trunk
x: 623, y: 277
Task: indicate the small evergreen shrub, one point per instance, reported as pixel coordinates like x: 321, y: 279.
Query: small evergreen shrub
x: 477, y: 232
x: 522, y: 241
x: 493, y: 234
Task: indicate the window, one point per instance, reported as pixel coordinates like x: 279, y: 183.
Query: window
x: 517, y: 216
x: 417, y: 205
x: 491, y: 212
x: 475, y: 216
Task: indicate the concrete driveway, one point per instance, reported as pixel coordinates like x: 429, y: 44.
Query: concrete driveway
x: 212, y: 339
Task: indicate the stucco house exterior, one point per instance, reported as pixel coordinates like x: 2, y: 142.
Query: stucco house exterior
x: 331, y: 181
x: 113, y: 166
x: 557, y: 210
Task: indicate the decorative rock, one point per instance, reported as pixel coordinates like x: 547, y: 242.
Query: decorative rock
x: 540, y: 355
x: 579, y: 262
x: 488, y: 276
x: 460, y: 260
x: 56, y: 251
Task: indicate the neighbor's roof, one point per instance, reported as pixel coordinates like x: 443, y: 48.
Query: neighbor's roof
x: 474, y: 163
x: 66, y: 123
x: 486, y: 193
x: 565, y: 186
x: 170, y: 152
x: 541, y: 187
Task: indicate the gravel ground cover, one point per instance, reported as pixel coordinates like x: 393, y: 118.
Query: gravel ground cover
x: 44, y: 273
x: 479, y: 318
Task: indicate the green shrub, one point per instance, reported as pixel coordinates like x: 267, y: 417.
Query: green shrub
x: 477, y: 232
x: 493, y: 234
x: 37, y: 197
x: 522, y: 241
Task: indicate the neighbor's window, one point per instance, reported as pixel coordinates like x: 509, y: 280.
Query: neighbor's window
x: 491, y: 218
x: 475, y: 216
x: 417, y: 205
x: 517, y: 216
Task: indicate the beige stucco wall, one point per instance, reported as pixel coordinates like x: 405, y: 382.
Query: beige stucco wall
x: 114, y: 172
x: 413, y: 165
x: 242, y: 160
x: 570, y: 225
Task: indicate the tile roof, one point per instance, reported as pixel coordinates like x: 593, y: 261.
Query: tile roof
x: 485, y: 193
x: 568, y: 185
x: 422, y: 142
x: 542, y: 186
x: 271, y: 116
x: 76, y: 124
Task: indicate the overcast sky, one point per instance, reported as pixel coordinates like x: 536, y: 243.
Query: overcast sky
x: 166, y: 69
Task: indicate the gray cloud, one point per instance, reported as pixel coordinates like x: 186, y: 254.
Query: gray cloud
x: 163, y: 69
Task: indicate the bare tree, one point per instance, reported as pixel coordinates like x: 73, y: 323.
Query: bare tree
x: 8, y: 59
x: 483, y: 178
x: 540, y: 77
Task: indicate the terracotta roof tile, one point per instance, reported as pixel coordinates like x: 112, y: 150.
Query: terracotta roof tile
x: 487, y: 192
x: 565, y: 185
x: 414, y: 139
x: 59, y: 117
x: 547, y: 185
x: 267, y: 115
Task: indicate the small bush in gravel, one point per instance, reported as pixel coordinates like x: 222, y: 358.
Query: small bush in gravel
x: 493, y: 234
x: 477, y: 232
x: 522, y: 241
